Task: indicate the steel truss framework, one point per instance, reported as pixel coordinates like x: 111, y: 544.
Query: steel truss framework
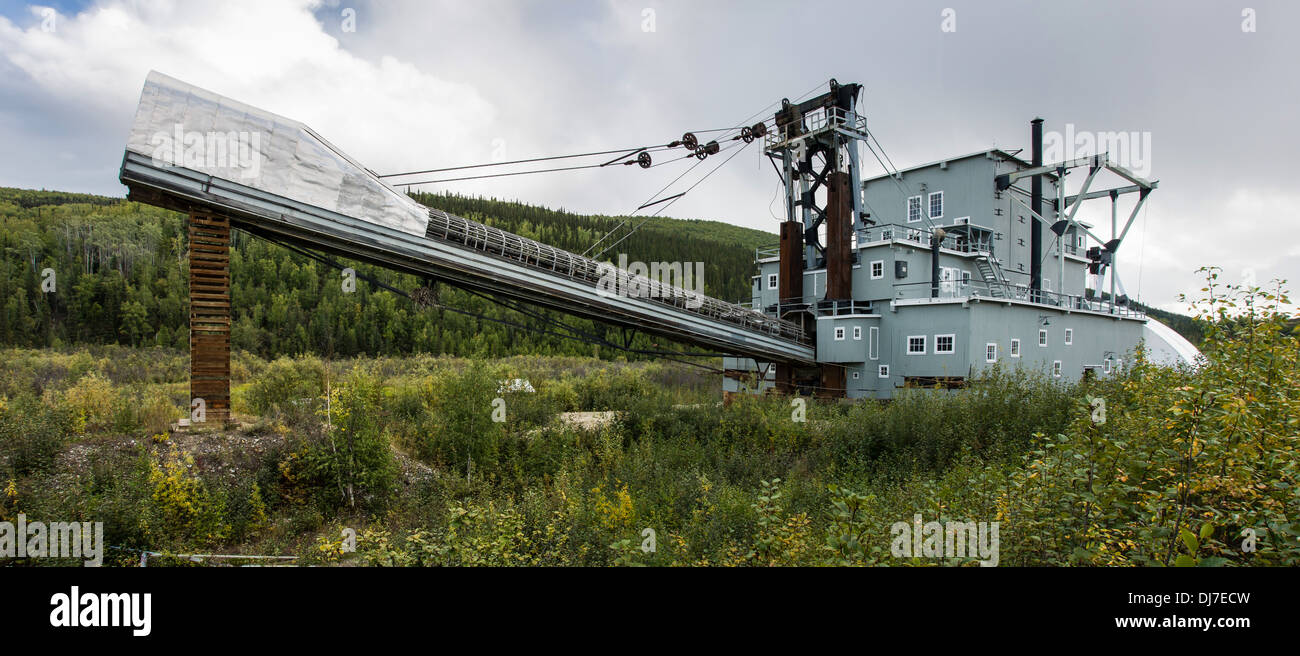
x: 1102, y: 258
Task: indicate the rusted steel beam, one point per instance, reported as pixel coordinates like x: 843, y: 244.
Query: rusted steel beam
x: 839, y: 237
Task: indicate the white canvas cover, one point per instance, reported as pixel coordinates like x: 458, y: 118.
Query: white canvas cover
x: 180, y: 124
x: 1166, y: 347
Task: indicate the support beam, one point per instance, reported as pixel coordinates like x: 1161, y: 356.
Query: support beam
x: 209, y: 237
x: 1069, y: 200
x: 839, y: 235
x: 1114, y: 230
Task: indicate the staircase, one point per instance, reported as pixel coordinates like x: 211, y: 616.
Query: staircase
x: 991, y: 270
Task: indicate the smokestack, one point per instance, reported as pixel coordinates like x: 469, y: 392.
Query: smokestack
x: 1036, y: 202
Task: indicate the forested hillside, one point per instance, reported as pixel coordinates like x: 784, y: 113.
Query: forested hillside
x: 120, y: 278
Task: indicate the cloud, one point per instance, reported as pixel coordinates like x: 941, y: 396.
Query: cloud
x: 271, y: 55
x: 435, y: 83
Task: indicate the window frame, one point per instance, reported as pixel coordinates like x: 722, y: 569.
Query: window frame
x: 919, y: 207
x: 1015, y: 348
x: 929, y: 201
x: 872, y: 270
x: 1042, y: 337
x: 925, y: 339
x: 857, y: 333
x: 952, y: 347
x: 882, y: 371
x: 873, y: 342
x: 1069, y: 336
x: 993, y: 348
x: 1056, y: 368
x: 839, y: 333
x: 772, y: 280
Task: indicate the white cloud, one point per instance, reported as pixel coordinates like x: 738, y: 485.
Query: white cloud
x: 271, y: 55
x: 433, y: 83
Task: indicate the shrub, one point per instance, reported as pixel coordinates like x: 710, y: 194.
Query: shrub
x: 292, y: 386
x: 32, y: 433
x: 94, y: 400
x: 353, y: 463
x: 182, y: 506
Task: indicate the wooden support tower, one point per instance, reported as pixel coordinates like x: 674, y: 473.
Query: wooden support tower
x: 210, y: 316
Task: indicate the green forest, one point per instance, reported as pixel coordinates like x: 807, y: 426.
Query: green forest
x: 120, y: 275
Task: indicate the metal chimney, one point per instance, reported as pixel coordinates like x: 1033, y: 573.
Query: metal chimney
x: 1036, y: 202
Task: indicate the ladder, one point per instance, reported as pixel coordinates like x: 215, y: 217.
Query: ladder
x: 991, y: 270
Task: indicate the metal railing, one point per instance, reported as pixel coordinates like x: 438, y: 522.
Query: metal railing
x: 818, y: 120
x: 916, y: 234
x: 471, y: 234
x: 962, y: 289
x: 840, y: 308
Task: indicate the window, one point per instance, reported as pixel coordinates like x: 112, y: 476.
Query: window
x: 1119, y: 364
x: 1056, y: 368
x: 991, y: 352
x: 855, y: 375
x: 771, y: 281
x: 839, y: 333
x: 965, y: 278
x: 883, y: 371
x: 1042, y: 338
x: 1107, y: 365
x: 913, y: 209
x: 961, y: 220
x: 857, y: 333
x: 877, y: 269
x: 1015, y: 348
x: 916, y: 345
x: 1069, y: 336
x: 944, y: 343
x: 936, y: 205
x: 873, y: 343
x: 887, y: 235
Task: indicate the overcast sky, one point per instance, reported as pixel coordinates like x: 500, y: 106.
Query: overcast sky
x: 427, y: 84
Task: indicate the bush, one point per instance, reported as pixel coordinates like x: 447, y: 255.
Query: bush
x: 288, y: 385
x: 32, y: 433
x: 353, y: 465
x: 93, y: 399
